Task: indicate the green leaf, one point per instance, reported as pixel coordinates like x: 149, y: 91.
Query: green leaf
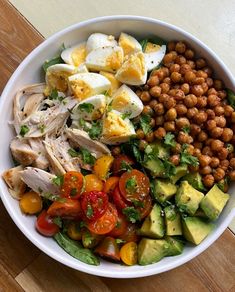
x: 157, y: 40
x: 126, y: 115
x: 53, y: 61
x: 143, y: 44
x: 186, y: 129
x: 89, y: 211
x: 58, y: 180
x: 186, y: 158
x: 73, y: 153
x: 86, y: 107
x: 137, y: 203
x: 24, y: 129
x: 231, y: 97
x: 145, y: 123
x: 131, y: 185
x: 118, y: 241
x: 169, y: 139
x: 170, y: 168
x: 42, y: 128
x: 87, y: 157
x: 125, y: 166
x: 53, y: 197
x: 95, y: 130
x: 132, y: 214
x: 54, y: 94
x: 58, y: 221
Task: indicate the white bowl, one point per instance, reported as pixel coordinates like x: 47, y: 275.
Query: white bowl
x: 29, y: 72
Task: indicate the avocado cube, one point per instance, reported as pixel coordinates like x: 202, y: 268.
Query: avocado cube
x: 163, y: 190
x: 181, y: 171
x: 195, y: 180
x: 153, y: 225
x: 196, y: 229
x: 155, y: 166
x: 176, y: 246
x: 187, y: 198
x: 151, y: 251
x: 172, y: 221
x: 213, y: 202
x: 160, y: 150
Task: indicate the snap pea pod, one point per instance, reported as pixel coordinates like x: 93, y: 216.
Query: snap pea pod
x: 76, y: 250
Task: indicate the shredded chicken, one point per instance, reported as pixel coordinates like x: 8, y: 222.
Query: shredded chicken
x: 38, y: 146
x: 22, y: 152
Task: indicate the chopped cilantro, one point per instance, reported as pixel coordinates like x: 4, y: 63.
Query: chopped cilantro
x: 186, y: 158
x: 82, y: 224
x: 89, y: 211
x: 186, y: 129
x: 126, y: 115
x: 118, y: 224
x: 24, y: 129
x: 73, y: 153
x: 73, y: 192
x: 137, y: 203
x: 118, y: 241
x: 170, y: 168
x: 169, y: 140
x: 131, y: 185
x: 95, y: 130
x: 54, y: 94
x: 53, y: 197
x: 53, y: 61
x: 87, y: 157
x: 86, y: 107
x: 132, y: 214
x: 58, y: 180
x: 145, y: 123
x: 125, y: 166
x: 58, y: 221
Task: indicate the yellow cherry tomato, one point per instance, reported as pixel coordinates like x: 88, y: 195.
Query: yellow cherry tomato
x: 102, y: 166
x: 74, y: 231
x: 93, y: 183
x: 111, y: 184
x: 31, y: 203
x: 128, y: 253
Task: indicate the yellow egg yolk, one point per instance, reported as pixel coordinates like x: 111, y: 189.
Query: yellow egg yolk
x: 114, y: 125
x: 127, y: 45
x: 134, y: 67
x: 57, y: 80
x: 80, y: 89
x: 121, y: 101
x: 115, y: 84
x: 152, y: 48
x: 114, y: 61
x: 79, y: 55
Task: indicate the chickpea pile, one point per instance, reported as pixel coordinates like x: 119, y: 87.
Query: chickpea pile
x: 183, y: 94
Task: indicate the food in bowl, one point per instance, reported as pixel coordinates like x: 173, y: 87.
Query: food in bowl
x: 126, y: 151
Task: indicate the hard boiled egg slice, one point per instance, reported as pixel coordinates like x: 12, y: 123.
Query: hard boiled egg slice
x: 127, y: 102
x: 75, y: 55
x: 92, y: 108
x: 106, y: 59
x: 82, y: 68
x: 153, y: 55
x: 116, y: 130
x: 99, y: 40
x: 133, y: 71
x: 129, y: 44
x: 84, y: 85
x: 57, y: 77
x: 115, y: 84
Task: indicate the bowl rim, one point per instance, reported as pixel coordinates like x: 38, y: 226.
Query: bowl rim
x: 94, y: 270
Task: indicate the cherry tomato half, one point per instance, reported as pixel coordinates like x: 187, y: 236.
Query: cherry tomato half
x: 94, y: 204
x: 108, y: 248
x: 67, y: 208
x: 118, y: 200
x: 130, y: 234
x: 120, y: 227
x: 134, y: 185
x: 146, y: 208
x: 45, y: 224
x: 106, y: 223
x: 111, y: 184
x: 128, y: 253
x: 121, y: 164
x: 73, y: 185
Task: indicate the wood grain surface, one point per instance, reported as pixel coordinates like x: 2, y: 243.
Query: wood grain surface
x: 24, y: 268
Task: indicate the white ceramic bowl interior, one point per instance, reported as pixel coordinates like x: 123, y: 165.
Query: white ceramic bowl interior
x: 30, y: 71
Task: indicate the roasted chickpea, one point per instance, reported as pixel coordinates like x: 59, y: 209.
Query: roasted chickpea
x: 176, y: 149
x: 153, y: 81
x: 208, y: 70
x: 232, y: 163
x: 155, y: 91
x: 169, y: 103
x: 201, y: 102
x: 198, y: 145
x: 160, y: 74
x: 167, y: 80
x: 208, y: 180
x: 213, y: 100
x: 171, y: 46
x: 143, y: 144
x: 146, y: 87
x: 219, y: 110
x: 192, y: 112
x: 208, y: 141
x: 228, y: 110
x: 200, y: 63
x: 223, y: 154
x: 145, y: 96
x: 216, y: 132
x: 169, y: 126
x: 214, y: 162
x: 224, y: 164
x: 182, y: 123
x: 205, y: 170
x: 201, y: 73
x: 233, y: 117
x: 227, y: 134
x: 185, y: 88
x: 232, y: 175
x: 180, y: 109
x: 189, y: 54
x: 184, y: 138
x: 176, y: 77
x: 219, y: 174
x: 159, y: 120
x: 222, y: 94
x: 204, y: 160
x: 180, y: 47
x: 164, y: 87
x: 140, y: 134
x: 210, y: 114
x: 218, y: 84
x: 194, y: 130
x: 202, y: 136
x: 160, y: 133
x: 198, y: 80
x: 147, y: 110
x: 116, y: 150
x: 165, y: 71
x: 149, y: 137
x: 212, y: 91
x: 209, y: 82
x: 220, y: 121
x: 217, y: 145
x: 204, y: 87
x: 197, y: 90
x: 200, y: 117
x: 175, y: 159
x: 207, y: 151
x: 197, y: 152
x: 179, y: 94
x: 174, y: 68
x: 190, y: 100
x: 152, y: 122
x: 191, y: 64
x: 184, y: 68
x: 189, y: 76
x: 190, y: 149
x: 159, y: 109
x: 210, y: 124
x: 168, y: 58
x: 171, y: 114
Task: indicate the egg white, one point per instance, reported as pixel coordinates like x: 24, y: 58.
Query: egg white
x: 99, y: 40
x: 75, y: 55
x: 129, y: 44
x: 154, y: 58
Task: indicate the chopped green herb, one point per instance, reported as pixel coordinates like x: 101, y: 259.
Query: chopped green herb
x: 126, y: 115
x: 137, y: 203
x: 86, y: 107
x: 24, y: 129
x: 118, y: 224
x: 73, y: 192
x: 42, y: 128
x: 170, y: 168
x: 169, y: 140
x: 95, y: 130
x: 87, y: 157
x: 131, y: 185
x: 53, y: 197
x: 186, y: 158
x: 125, y: 166
x: 145, y: 123
x: 73, y: 153
x: 89, y: 212
x: 132, y: 214
x: 85, y: 171
x: 58, y: 180
x: 82, y: 224
x: 186, y: 129
x: 118, y: 241
x: 53, y: 61
x: 58, y: 221
x: 54, y: 94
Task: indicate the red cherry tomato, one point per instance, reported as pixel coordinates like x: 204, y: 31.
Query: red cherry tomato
x: 106, y: 223
x: 45, y: 224
x: 134, y: 185
x: 94, y: 204
x: 108, y: 248
x: 73, y: 185
x: 67, y: 208
x: 146, y: 208
x: 121, y: 164
x: 118, y: 200
x: 130, y: 233
x: 120, y: 227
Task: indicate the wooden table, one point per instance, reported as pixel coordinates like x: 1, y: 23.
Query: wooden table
x: 25, y: 268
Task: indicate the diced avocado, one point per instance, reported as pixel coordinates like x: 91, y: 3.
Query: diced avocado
x: 160, y: 150
x: 196, y: 229
x: 187, y: 198
x: 181, y: 171
x: 153, y: 225
x: 155, y: 166
x: 151, y: 251
x: 172, y: 221
x: 89, y: 239
x: 195, y: 180
x: 213, y: 202
x: 163, y: 190
x: 176, y: 246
